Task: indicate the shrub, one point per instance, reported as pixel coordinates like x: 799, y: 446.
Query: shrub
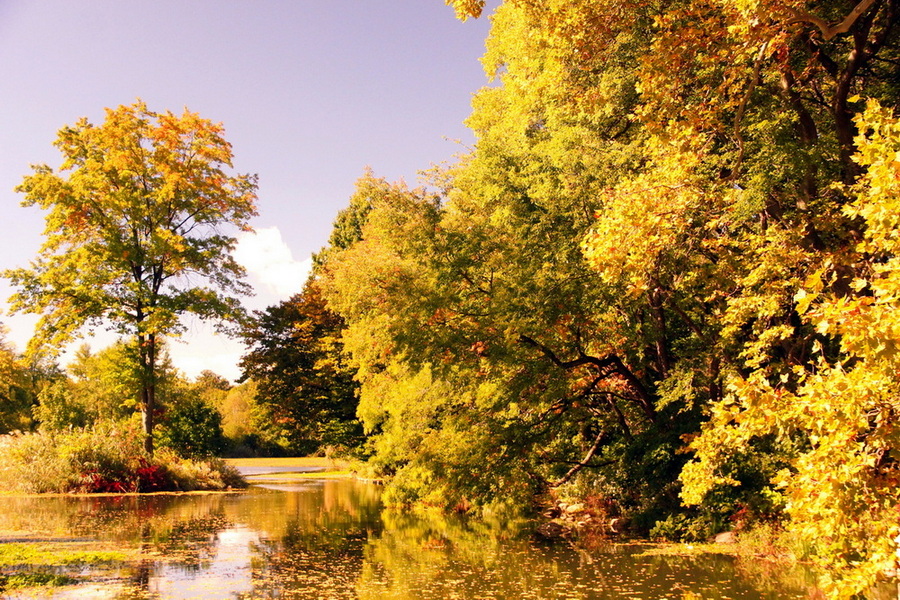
x: 31, y: 464
x: 104, y: 458
x: 193, y: 429
x: 210, y: 474
x: 680, y: 527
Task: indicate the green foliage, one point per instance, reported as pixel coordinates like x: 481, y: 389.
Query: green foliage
x: 193, y: 429
x: 17, y: 554
x: 348, y: 225
x: 29, y: 579
x: 680, y: 527
x: 60, y: 408
x: 102, y: 386
x: 192, y: 424
x: 470, y: 396
x: 103, y: 390
x: 72, y: 460
x: 239, y: 410
x: 538, y: 370
x: 208, y: 474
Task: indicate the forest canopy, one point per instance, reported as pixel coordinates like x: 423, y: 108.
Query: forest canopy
x: 664, y: 275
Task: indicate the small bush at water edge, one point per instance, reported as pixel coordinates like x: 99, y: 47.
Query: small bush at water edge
x: 105, y: 458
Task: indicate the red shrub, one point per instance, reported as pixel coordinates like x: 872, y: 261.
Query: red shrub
x: 151, y: 478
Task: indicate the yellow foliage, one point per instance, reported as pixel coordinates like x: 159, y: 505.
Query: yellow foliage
x: 843, y: 488
x: 647, y: 222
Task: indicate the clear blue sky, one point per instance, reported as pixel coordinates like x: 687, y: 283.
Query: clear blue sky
x: 310, y: 93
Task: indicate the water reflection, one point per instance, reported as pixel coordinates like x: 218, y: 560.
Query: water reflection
x: 330, y: 539
x: 228, y: 574
x: 430, y: 557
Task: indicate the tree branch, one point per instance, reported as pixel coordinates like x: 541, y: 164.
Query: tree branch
x: 582, y: 360
x: 643, y: 399
x: 739, y: 115
x: 830, y: 31
x: 584, y: 462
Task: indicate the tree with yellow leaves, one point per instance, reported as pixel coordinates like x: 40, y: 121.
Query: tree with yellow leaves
x: 137, y: 235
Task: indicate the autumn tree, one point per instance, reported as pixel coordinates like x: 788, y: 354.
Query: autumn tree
x: 140, y: 225
x: 669, y: 214
x: 495, y: 363
x: 348, y: 225
x: 302, y: 380
x: 210, y: 381
x: 17, y: 396
x: 475, y: 326
x: 841, y: 484
x: 738, y: 233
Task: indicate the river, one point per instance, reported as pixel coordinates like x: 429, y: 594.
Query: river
x: 330, y: 539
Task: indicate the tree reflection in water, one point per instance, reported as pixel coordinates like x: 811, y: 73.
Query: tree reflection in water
x: 330, y: 539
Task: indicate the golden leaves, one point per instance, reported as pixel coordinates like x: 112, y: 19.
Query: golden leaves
x: 842, y: 484
x: 466, y: 8
x: 646, y: 223
x: 130, y: 214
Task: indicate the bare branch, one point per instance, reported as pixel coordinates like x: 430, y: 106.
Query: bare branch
x: 619, y: 367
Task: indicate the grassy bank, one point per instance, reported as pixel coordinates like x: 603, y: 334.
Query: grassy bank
x: 105, y: 458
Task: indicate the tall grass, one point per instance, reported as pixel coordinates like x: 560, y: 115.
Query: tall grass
x: 107, y: 457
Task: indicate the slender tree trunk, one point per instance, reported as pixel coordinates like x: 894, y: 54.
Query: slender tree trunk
x: 147, y: 422
x: 147, y: 353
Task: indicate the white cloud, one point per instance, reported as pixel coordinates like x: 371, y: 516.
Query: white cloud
x: 270, y: 263
x: 206, y: 350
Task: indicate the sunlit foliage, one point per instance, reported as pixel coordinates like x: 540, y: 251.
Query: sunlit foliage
x: 841, y: 487
x: 669, y: 219
x: 140, y: 224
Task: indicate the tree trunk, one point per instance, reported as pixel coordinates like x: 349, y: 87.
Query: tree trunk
x: 662, y: 353
x: 147, y: 422
x: 147, y: 354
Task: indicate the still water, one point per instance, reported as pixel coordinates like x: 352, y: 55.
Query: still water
x: 330, y: 539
